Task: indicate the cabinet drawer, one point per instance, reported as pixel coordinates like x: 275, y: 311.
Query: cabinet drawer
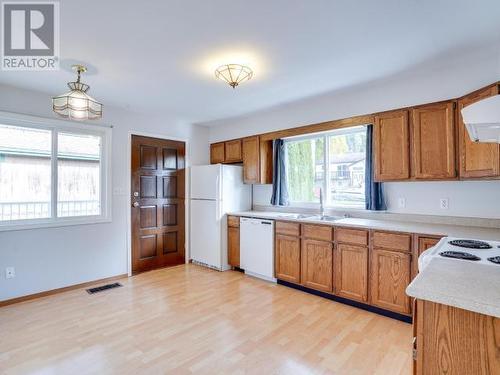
x: 317, y: 232
x: 352, y: 236
x: 287, y: 228
x: 393, y: 241
x: 233, y: 221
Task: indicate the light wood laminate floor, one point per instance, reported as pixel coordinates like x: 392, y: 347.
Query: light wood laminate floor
x: 189, y: 319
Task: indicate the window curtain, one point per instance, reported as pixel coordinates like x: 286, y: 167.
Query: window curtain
x: 280, y: 191
x: 374, y: 195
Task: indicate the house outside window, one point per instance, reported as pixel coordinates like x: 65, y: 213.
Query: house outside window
x: 52, y: 172
x: 333, y: 161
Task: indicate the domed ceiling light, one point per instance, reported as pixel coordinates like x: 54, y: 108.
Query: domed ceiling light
x: 233, y: 74
x: 77, y: 104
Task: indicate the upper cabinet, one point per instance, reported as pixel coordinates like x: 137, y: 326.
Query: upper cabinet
x: 233, y: 152
x: 433, y: 135
x: 476, y: 160
x: 425, y: 142
x: 226, y: 152
x: 256, y: 155
x: 251, y: 160
x: 391, y: 146
x: 217, y: 153
x: 257, y: 161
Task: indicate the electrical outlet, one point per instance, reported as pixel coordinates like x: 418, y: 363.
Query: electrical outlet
x: 444, y: 203
x: 401, y: 202
x: 10, y: 272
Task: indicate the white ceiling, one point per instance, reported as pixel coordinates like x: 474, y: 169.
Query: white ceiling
x: 159, y: 56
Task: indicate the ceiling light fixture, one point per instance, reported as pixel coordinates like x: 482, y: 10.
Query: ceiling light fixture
x: 233, y: 74
x: 76, y: 104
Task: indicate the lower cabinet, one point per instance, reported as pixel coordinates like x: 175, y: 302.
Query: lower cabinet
x: 351, y: 272
x: 390, y: 275
x: 233, y: 241
x: 317, y: 265
x: 422, y: 244
x: 287, y: 258
x: 449, y: 340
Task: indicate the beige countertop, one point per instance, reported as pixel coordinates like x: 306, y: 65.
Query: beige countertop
x: 389, y: 225
x: 462, y: 284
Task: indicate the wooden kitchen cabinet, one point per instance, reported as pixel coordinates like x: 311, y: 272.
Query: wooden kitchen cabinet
x: 422, y: 243
x: 389, y: 277
x: 391, y: 146
x: 287, y: 258
x: 217, y: 152
x: 257, y: 161
x: 233, y: 152
x: 449, y: 340
x: 251, y: 160
x: 351, y: 272
x: 317, y: 265
x: 233, y: 241
x: 476, y: 160
x: 433, y: 135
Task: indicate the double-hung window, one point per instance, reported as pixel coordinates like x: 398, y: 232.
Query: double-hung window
x: 52, y: 172
x: 333, y: 161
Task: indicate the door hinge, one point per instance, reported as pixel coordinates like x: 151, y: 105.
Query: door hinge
x: 414, y: 349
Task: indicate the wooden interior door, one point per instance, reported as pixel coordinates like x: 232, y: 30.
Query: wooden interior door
x: 476, y: 159
x: 158, y: 210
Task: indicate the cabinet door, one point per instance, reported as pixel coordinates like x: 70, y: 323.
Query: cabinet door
x: 390, y: 275
x: 476, y: 159
x: 233, y: 151
x: 351, y: 272
x: 317, y: 265
x: 391, y: 146
x: 233, y: 246
x: 217, y: 153
x: 423, y: 243
x: 434, y: 141
x: 287, y: 258
x: 251, y: 160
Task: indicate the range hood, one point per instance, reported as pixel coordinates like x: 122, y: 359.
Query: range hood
x: 482, y: 120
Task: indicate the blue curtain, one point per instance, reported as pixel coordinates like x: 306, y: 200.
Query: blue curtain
x: 374, y: 195
x: 280, y: 191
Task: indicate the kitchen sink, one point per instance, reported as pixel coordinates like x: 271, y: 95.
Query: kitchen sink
x: 309, y: 217
x: 294, y: 216
x: 324, y: 218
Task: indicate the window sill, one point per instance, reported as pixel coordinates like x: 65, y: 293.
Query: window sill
x: 39, y: 224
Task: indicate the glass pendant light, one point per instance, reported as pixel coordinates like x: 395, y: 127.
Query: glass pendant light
x: 77, y: 104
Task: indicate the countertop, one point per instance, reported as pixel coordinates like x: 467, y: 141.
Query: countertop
x: 452, y: 282
x: 492, y: 234
x: 462, y: 284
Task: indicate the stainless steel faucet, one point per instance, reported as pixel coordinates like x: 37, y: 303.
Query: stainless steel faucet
x: 321, y: 205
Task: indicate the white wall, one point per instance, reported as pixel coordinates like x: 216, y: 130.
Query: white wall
x: 466, y: 198
x: 51, y: 258
x: 432, y: 82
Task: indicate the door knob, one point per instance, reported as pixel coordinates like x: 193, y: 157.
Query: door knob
x: 135, y: 204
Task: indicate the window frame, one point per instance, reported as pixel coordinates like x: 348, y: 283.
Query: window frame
x: 56, y: 126
x: 326, y: 152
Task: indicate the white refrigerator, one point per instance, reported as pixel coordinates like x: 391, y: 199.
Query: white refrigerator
x: 215, y: 190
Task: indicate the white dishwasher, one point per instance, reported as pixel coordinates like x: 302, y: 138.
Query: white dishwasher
x: 257, y: 247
